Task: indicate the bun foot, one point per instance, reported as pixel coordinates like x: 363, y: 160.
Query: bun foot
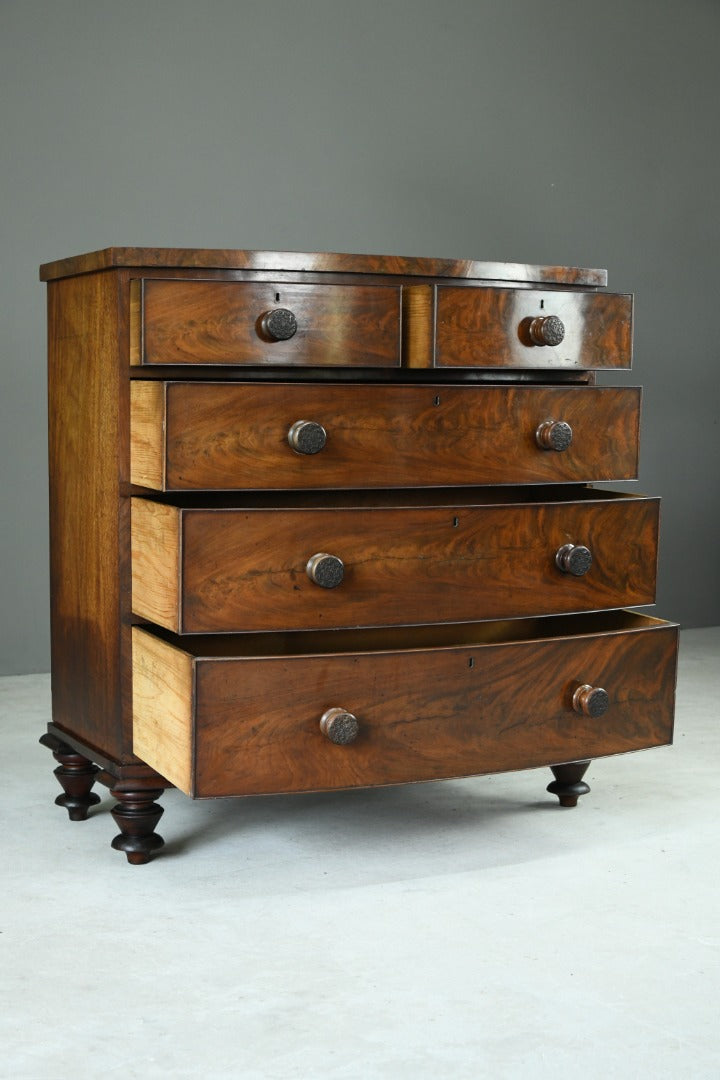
x: 76, y: 775
x: 568, y: 784
x: 136, y: 815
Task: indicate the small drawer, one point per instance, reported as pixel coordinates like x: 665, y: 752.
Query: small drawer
x: 195, y: 436
x: 532, y: 328
x: 289, y: 564
x: 264, y: 323
x: 307, y: 712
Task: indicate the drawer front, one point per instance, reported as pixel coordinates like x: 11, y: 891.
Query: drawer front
x: 266, y: 323
x: 249, y: 725
x: 517, y: 328
x: 194, y: 436
x: 205, y: 571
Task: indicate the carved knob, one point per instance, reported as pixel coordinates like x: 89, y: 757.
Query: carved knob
x: 279, y: 324
x: 339, y: 726
x: 546, y: 330
x: 591, y: 700
x: 573, y: 559
x: 325, y: 570
x: 554, y: 435
x: 307, y: 437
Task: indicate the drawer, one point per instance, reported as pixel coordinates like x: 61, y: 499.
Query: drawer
x: 242, y: 716
x: 193, y: 436
x: 289, y: 564
x: 532, y: 328
x: 265, y: 323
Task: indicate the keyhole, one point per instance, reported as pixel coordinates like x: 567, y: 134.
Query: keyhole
x: 456, y: 522
x: 277, y: 297
x: 542, y: 304
x: 471, y: 662
x: 437, y: 400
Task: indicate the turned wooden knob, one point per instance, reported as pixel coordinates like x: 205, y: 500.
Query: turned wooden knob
x: 573, y: 559
x: 325, y: 570
x: 546, y: 330
x: 307, y: 437
x: 279, y: 324
x: 554, y: 435
x: 339, y: 726
x: 591, y: 700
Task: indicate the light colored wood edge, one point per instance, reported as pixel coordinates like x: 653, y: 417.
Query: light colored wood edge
x: 418, y: 306
x: 147, y: 434
x: 155, y: 551
x: 136, y: 322
x: 163, y: 707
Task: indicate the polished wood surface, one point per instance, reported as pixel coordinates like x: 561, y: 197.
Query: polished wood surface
x: 424, y: 714
x: 489, y: 328
x: 194, y: 436
x: 317, y: 262
x: 221, y: 322
x: 321, y: 570
x: 88, y: 530
x: 246, y: 569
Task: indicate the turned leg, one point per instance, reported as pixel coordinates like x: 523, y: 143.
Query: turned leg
x: 76, y: 775
x: 136, y: 815
x: 568, y: 784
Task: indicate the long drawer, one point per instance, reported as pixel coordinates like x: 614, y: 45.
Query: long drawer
x: 194, y: 436
x: 274, y: 713
x: 291, y: 564
x: 181, y: 321
x: 532, y: 328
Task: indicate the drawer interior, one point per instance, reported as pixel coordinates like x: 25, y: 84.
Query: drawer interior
x: 405, y: 639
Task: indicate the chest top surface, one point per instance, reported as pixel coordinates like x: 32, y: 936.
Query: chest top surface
x: 318, y: 262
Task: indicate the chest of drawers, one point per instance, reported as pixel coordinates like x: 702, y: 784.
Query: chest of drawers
x: 328, y: 521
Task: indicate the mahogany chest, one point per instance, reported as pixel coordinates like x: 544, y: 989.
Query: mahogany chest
x: 325, y: 521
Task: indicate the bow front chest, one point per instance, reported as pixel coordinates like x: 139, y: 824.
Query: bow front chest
x: 330, y: 521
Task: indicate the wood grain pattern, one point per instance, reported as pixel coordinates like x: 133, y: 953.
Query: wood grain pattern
x: 86, y: 410
x: 234, y: 435
x: 317, y: 262
x: 418, y: 304
x: 147, y: 434
x: 486, y: 328
x: 428, y: 714
x: 135, y: 321
x: 218, y: 322
x: 245, y: 569
x: 163, y: 701
x: 156, y: 547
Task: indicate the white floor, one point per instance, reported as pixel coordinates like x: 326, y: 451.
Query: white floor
x: 466, y: 929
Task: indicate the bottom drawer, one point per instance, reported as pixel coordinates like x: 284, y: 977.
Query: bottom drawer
x: 258, y: 713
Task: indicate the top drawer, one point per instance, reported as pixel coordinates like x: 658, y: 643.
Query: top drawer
x: 532, y: 328
x: 181, y: 321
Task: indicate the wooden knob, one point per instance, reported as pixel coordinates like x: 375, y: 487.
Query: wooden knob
x: 325, y: 570
x: 546, y: 330
x: 591, y: 700
x: 307, y: 437
x: 279, y: 324
x: 573, y: 559
x: 339, y: 726
x: 554, y: 435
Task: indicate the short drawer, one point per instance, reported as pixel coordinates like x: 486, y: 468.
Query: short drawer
x: 193, y: 436
x: 265, y: 323
x: 532, y: 328
x: 258, y: 714
x: 292, y: 565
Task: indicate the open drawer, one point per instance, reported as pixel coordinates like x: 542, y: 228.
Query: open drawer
x: 268, y: 713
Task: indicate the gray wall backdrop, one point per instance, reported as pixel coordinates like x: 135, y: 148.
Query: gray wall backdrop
x: 557, y: 132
